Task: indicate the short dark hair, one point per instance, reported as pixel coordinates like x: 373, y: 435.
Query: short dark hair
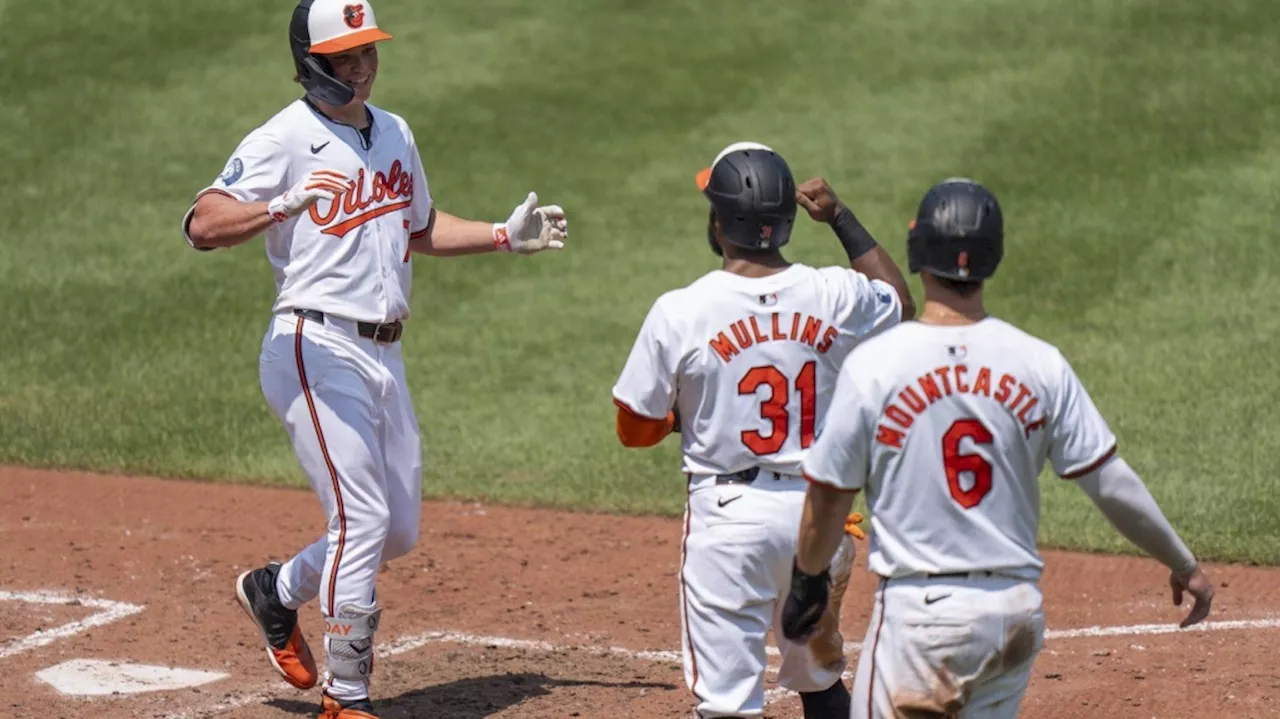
x: 964, y: 288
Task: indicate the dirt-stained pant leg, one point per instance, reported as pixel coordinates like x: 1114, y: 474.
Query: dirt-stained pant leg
x: 949, y: 648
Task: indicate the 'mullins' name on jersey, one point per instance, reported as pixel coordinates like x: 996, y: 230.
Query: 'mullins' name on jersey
x: 747, y: 332
x: 1009, y: 392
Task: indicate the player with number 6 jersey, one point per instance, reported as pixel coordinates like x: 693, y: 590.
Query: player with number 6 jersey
x: 741, y: 364
x: 946, y: 423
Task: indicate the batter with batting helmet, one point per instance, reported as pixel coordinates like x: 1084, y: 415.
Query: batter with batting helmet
x: 337, y: 187
x: 741, y: 365
x: 946, y: 423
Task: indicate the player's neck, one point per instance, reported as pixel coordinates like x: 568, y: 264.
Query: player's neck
x: 762, y: 267
x: 354, y: 114
x: 952, y: 310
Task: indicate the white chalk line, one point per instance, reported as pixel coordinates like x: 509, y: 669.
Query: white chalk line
x: 111, y: 611
x: 409, y: 643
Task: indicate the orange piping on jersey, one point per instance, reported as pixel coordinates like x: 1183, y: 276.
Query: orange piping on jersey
x: 1092, y: 466
x: 827, y: 485
x: 636, y: 430
x: 213, y: 191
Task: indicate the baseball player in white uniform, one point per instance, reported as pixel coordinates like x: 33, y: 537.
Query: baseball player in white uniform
x: 947, y: 423
x: 741, y: 364
x: 338, y: 188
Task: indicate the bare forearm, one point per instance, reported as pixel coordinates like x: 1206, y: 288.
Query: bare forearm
x: 221, y: 221
x: 451, y: 236
x: 878, y: 265
x: 821, y: 526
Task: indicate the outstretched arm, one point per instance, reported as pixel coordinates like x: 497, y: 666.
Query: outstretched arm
x: 1124, y: 500
x: 529, y: 229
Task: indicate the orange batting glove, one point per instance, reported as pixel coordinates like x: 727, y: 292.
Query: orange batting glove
x: 851, y: 527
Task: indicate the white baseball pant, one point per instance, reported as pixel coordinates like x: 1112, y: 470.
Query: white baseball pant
x: 344, y: 401
x: 737, y: 555
x: 954, y: 647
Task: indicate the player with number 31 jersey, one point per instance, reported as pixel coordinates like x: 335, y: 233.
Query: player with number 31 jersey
x: 742, y: 363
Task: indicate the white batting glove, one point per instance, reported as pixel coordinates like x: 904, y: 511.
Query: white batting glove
x: 532, y: 229
x: 297, y: 199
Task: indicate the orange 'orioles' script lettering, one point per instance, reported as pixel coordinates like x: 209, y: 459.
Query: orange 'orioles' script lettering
x: 916, y: 399
x: 755, y: 329
x: 396, y: 185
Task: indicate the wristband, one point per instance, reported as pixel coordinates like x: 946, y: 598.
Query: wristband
x: 852, y: 235
x: 501, y: 241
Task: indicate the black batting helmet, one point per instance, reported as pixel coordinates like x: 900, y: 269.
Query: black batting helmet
x: 753, y: 194
x: 322, y: 27
x: 958, y: 232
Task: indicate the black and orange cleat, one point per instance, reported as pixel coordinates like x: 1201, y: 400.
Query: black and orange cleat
x: 278, y: 626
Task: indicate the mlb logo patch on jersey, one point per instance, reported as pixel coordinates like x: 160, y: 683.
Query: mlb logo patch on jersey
x: 957, y: 351
x: 769, y: 300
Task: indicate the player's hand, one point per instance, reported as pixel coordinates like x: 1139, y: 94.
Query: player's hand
x: 818, y: 199
x: 1198, y: 585
x: 532, y: 229
x: 805, y: 603
x: 316, y: 184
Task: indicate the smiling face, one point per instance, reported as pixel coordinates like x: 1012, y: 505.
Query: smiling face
x: 357, y: 67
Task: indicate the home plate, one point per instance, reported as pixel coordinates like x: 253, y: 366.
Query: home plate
x: 95, y: 678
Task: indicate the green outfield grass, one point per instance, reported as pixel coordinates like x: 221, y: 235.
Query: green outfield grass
x: 1133, y: 145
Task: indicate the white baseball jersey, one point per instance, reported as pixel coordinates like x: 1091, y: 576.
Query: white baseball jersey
x: 347, y: 256
x: 751, y: 362
x: 947, y: 428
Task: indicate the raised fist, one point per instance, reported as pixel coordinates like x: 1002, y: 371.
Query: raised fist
x: 818, y: 199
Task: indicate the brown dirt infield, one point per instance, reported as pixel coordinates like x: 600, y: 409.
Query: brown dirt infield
x: 578, y: 583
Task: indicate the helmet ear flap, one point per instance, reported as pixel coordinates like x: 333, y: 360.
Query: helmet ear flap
x: 316, y: 76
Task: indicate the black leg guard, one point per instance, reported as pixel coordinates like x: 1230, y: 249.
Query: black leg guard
x: 831, y: 703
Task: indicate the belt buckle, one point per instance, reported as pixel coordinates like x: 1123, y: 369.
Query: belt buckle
x: 392, y: 332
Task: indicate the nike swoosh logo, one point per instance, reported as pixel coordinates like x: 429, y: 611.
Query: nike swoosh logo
x: 722, y: 501
x: 315, y: 149
x: 938, y: 598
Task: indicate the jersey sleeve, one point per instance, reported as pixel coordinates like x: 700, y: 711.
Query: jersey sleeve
x: 647, y: 385
x: 1079, y: 439
x: 864, y: 307
x: 256, y: 172
x: 841, y: 455
x: 420, y: 210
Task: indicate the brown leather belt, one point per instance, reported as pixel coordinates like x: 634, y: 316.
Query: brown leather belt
x: 385, y: 333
